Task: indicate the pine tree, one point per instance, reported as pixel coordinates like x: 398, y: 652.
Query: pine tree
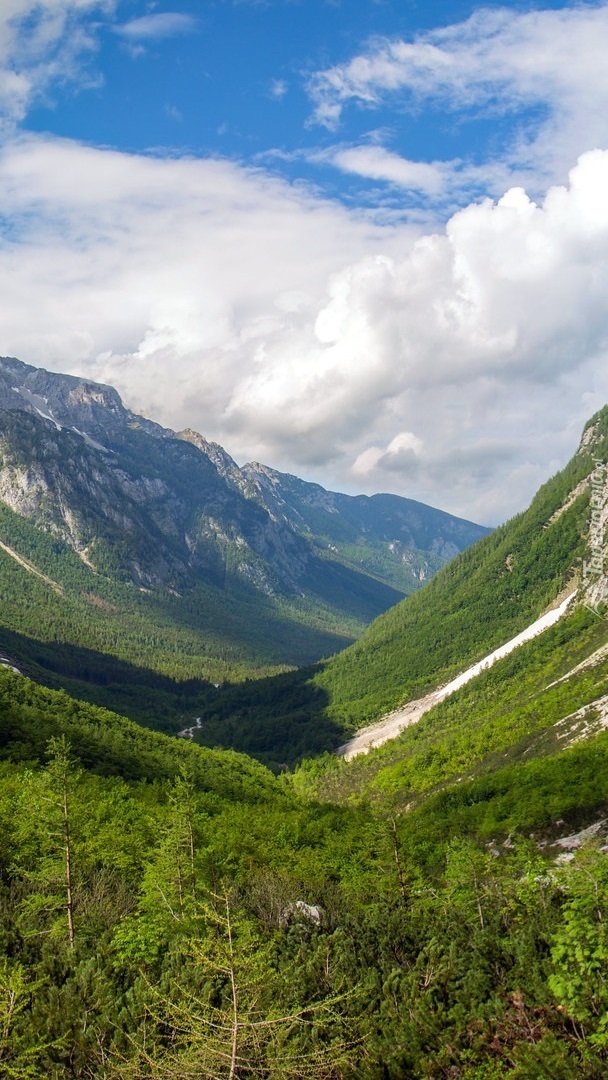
x: 46, y: 825
x: 235, y: 1017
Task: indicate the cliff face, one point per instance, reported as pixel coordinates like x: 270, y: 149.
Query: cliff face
x: 138, y: 501
x: 127, y: 492
x: 594, y: 582
x: 401, y: 541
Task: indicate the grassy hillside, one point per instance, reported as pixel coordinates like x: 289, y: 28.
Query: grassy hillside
x: 527, y: 705
x: 481, y: 599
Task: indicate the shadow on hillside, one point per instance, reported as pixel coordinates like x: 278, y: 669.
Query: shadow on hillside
x: 140, y: 693
x: 278, y: 720
x: 246, y: 627
x: 352, y: 591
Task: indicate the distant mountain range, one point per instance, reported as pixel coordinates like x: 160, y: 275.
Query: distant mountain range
x: 128, y: 539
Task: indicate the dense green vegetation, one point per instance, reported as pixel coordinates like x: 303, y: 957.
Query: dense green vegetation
x: 169, y: 910
x: 208, y: 632
x: 149, y: 654
x: 152, y: 919
x: 522, y: 706
x: 482, y: 598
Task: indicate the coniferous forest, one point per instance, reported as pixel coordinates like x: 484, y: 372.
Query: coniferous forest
x: 174, y: 911
x: 303, y: 751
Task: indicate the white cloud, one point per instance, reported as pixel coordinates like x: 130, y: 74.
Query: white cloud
x: 402, y: 453
x: 377, y: 163
x: 42, y: 43
x: 278, y: 89
x: 164, y: 276
x: 304, y: 336
x: 160, y: 24
x: 498, y: 61
x: 455, y: 367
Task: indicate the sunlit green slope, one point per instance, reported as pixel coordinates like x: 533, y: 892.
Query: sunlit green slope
x: 172, y: 911
x: 480, y: 600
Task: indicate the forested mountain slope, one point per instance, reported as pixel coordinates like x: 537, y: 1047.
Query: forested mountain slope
x: 120, y: 539
x: 481, y: 599
x: 522, y: 744
x: 485, y: 596
x: 431, y: 909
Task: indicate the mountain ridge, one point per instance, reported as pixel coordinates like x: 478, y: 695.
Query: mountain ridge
x: 240, y: 497
x: 167, y: 555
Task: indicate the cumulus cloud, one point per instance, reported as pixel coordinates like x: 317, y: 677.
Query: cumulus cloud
x: 303, y: 335
x: 164, y: 276
x: 401, y: 454
x: 297, y: 332
x: 547, y: 66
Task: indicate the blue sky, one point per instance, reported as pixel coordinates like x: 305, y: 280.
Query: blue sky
x: 363, y: 241
x: 242, y: 80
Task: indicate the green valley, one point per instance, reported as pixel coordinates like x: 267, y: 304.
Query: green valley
x: 244, y: 902
x: 481, y: 599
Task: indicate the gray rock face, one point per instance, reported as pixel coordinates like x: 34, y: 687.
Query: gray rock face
x: 138, y: 501
x: 62, y: 399
x: 400, y: 540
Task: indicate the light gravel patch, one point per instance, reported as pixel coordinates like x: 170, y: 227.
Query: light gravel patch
x: 395, y: 722
x: 27, y: 565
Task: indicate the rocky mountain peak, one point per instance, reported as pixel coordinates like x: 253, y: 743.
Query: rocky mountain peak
x: 163, y: 510
x: 225, y: 465
x: 88, y: 408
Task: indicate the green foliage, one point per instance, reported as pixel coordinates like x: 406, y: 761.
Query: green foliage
x: 580, y: 947
x: 20, y: 1057
x: 436, y: 954
x: 153, y: 892
x: 484, y: 597
x: 521, y: 707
